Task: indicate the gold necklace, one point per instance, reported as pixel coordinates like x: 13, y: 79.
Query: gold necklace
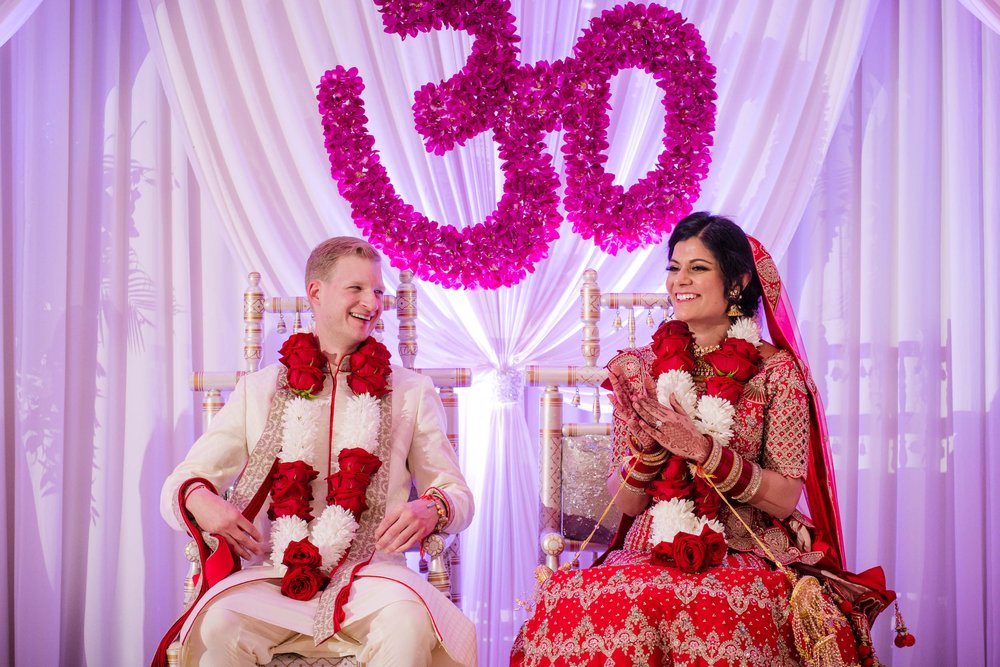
x: 702, y: 369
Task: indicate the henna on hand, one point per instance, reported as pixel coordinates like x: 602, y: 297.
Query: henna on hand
x: 671, y: 428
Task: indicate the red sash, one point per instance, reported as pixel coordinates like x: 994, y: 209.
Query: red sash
x: 215, y: 566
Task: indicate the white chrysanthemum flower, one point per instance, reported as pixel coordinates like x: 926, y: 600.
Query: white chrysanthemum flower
x: 285, y: 530
x: 332, y: 533
x: 713, y: 524
x: 360, y: 424
x: 300, y: 430
x: 681, y: 385
x: 671, y: 517
x: 716, y: 417
x: 746, y: 329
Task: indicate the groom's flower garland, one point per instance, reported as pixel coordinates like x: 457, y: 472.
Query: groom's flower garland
x: 307, y: 550
x: 684, y: 529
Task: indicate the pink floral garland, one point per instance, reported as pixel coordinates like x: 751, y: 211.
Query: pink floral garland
x: 520, y: 103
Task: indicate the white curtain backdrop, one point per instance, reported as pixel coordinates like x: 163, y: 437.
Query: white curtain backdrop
x: 153, y: 153
x: 987, y: 11
x: 13, y: 14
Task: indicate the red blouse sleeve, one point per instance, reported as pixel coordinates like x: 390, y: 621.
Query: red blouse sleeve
x: 786, y: 419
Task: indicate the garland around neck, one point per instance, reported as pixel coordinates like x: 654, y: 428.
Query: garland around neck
x: 302, y: 438
x: 712, y: 415
x: 676, y: 521
x: 304, y: 550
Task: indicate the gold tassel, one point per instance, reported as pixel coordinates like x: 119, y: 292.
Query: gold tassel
x: 812, y: 616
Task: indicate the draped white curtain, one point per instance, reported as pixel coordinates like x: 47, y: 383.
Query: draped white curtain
x: 13, y: 14
x: 894, y: 270
x: 832, y: 143
x: 108, y: 250
x: 987, y: 11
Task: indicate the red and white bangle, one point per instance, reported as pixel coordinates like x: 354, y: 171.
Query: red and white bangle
x: 191, y: 489
x: 741, y: 479
x: 752, y: 486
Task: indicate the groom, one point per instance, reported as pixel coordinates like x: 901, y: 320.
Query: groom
x: 324, y: 448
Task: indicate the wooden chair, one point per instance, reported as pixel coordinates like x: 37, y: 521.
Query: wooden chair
x: 441, y: 561
x: 574, y: 456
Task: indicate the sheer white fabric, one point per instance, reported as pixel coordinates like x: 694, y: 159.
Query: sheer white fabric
x: 987, y: 11
x: 861, y: 137
x: 895, y: 270
x: 13, y: 14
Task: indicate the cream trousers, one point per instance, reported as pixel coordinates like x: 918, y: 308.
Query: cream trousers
x: 399, y: 635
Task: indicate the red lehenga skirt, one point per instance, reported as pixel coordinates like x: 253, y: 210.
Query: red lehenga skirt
x: 630, y: 612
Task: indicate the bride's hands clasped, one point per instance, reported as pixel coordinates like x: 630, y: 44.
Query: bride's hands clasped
x: 654, y: 425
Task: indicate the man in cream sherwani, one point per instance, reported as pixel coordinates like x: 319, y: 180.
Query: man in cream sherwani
x: 373, y: 607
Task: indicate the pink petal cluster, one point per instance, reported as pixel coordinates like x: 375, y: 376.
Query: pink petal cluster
x: 520, y: 103
x: 663, y: 44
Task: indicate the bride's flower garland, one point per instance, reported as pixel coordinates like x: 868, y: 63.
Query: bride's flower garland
x: 306, y: 550
x: 684, y: 528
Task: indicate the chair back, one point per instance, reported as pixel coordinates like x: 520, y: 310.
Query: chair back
x: 575, y: 456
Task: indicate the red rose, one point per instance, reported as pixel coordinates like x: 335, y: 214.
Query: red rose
x: 668, y: 489
x: 715, y: 546
x: 299, y: 341
x: 294, y: 506
x: 672, y: 347
x: 736, y: 358
x: 675, y: 328
x: 689, y: 553
x: 682, y: 360
x: 724, y: 387
x: 350, y: 498
x: 357, y: 461
x: 305, y: 380
x: 662, y: 554
x: 676, y: 467
x: 302, y: 552
x: 305, y: 357
x: 302, y: 582
x: 293, y: 479
x: 370, y: 369
x: 673, y: 482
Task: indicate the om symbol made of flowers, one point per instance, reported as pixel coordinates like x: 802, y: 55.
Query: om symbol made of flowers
x: 520, y: 103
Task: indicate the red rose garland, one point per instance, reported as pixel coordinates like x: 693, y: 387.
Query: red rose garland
x: 685, y: 531
x: 309, y: 548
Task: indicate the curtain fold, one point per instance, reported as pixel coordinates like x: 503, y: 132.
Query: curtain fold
x: 892, y: 269
x: 13, y: 14
x: 987, y: 11
x: 104, y: 235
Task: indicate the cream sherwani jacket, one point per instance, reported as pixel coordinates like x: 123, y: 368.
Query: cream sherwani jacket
x: 419, y: 455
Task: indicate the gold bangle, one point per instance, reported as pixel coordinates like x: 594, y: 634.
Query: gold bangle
x: 633, y: 489
x: 633, y: 444
x: 714, y: 458
x: 643, y: 477
x: 734, y: 474
x: 654, y: 459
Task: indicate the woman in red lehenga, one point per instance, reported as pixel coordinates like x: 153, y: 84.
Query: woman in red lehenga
x: 707, y: 408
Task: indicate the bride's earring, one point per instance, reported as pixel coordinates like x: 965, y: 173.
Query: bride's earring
x: 734, y: 305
